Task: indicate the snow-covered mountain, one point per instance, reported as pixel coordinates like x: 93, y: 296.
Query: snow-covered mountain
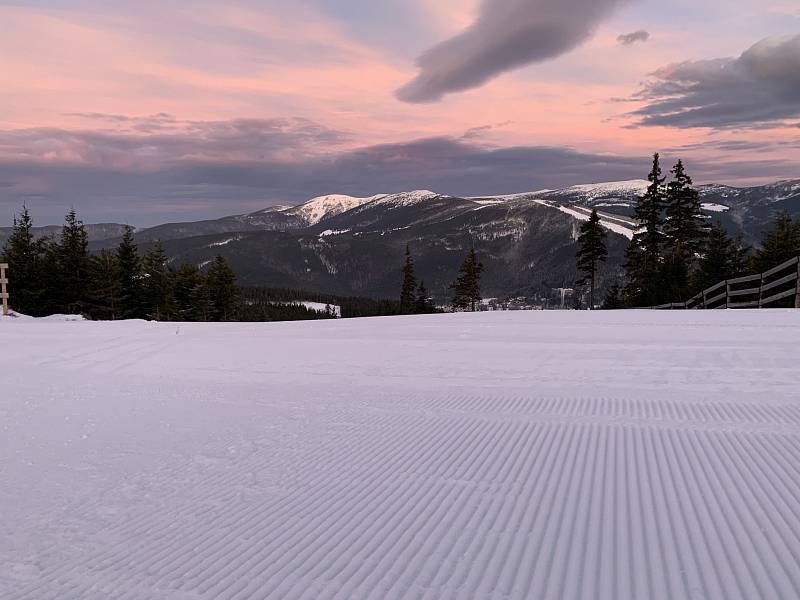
x: 352, y: 245
x: 323, y: 207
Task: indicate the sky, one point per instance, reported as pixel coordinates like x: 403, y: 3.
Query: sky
x: 144, y: 112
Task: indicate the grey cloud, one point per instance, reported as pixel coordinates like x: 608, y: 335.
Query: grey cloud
x: 149, y: 142
x: 508, y: 34
x: 628, y: 39
x: 208, y: 183
x: 759, y: 88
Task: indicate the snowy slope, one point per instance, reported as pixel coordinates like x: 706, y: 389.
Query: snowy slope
x: 613, y: 223
x: 635, y: 187
x: 317, y: 209
x: 541, y: 455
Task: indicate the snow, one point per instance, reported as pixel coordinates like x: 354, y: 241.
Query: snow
x: 323, y: 207
x: 712, y: 207
x: 329, y: 232
x: 522, y: 455
x: 611, y: 188
x: 615, y: 224
x: 224, y: 242
x: 320, y: 306
x: 408, y: 198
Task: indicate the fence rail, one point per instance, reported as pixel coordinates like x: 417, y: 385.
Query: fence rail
x: 773, y: 286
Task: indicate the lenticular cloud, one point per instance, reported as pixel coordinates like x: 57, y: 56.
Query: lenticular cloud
x: 508, y: 34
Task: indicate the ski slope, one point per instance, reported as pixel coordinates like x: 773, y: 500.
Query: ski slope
x: 524, y: 455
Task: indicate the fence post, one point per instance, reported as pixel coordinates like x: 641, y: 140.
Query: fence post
x: 3, y: 289
x: 797, y: 287
x: 727, y: 294
x: 761, y: 291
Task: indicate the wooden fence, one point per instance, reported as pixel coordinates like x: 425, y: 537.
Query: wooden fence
x: 753, y: 291
x: 3, y: 288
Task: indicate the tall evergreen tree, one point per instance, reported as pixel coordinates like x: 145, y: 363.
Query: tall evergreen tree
x: 684, y: 227
x: 723, y: 257
x: 73, y: 280
x: 684, y: 234
x: 22, y: 253
x: 130, y: 277
x: 467, y: 288
x: 190, y: 294
x: 50, y: 273
x: 780, y: 244
x: 591, y: 252
x: 613, y: 299
x: 104, y: 286
x: 157, y: 284
x: 408, y: 291
x: 643, y: 256
x: 423, y: 304
x: 222, y: 291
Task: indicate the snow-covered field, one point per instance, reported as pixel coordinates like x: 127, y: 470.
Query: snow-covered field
x: 527, y: 455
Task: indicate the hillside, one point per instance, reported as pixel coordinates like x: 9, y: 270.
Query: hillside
x: 353, y: 245
x: 519, y: 456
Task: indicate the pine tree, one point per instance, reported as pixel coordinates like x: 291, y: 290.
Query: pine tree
x: 684, y: 234
x: 222, y: 291
x: 591, y: 252
x: 130, y: 277
x: 467, y: 288
x: 22, y: 253
x: 643, y: 256
x: 423, y: 304
x: 104, y: 282
x: 73, y: 280
x: 723, y: 257
x: 613, y: 299
x: 780, y: 244
x: 157, y: 284
x: 49, y: 273
x: 190, y: 294
x: 684, y: 227
x: 407, y: 293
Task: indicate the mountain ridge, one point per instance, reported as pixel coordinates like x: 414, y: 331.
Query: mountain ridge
x: 353, y: 246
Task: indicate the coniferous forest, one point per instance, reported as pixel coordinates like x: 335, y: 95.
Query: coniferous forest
x: 676, y: 253
x: 59, y: 275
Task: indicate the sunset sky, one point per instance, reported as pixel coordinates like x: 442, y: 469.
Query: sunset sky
x: 145, y: 112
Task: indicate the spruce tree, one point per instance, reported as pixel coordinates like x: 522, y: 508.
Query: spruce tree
x: 643, y: 256
x: 684, y: 227
x: 723, y: 257
x: 684, y: 234
x: 157, y: 284
x: 467, y: 288
x: 223, y: 292
x: 613, y: 299
x: 408, y: 291
x: 50, y: 274
x: 190, y: 294
x: 423, y: 304
x: 22, y: 253
x: 73, y: 280
x: 591, y: 252
x: 780, y: 244
x: 104, y: 286
x: 130, y: 277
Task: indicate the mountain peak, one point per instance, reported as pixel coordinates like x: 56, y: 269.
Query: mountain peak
x: 323, y: 207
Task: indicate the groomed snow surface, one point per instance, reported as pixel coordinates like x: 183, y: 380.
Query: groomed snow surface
x: 529, y: 455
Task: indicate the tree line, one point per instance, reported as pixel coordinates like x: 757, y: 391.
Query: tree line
x: 675, y: 253
x: 58, y: 275
x: 414, y: 297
